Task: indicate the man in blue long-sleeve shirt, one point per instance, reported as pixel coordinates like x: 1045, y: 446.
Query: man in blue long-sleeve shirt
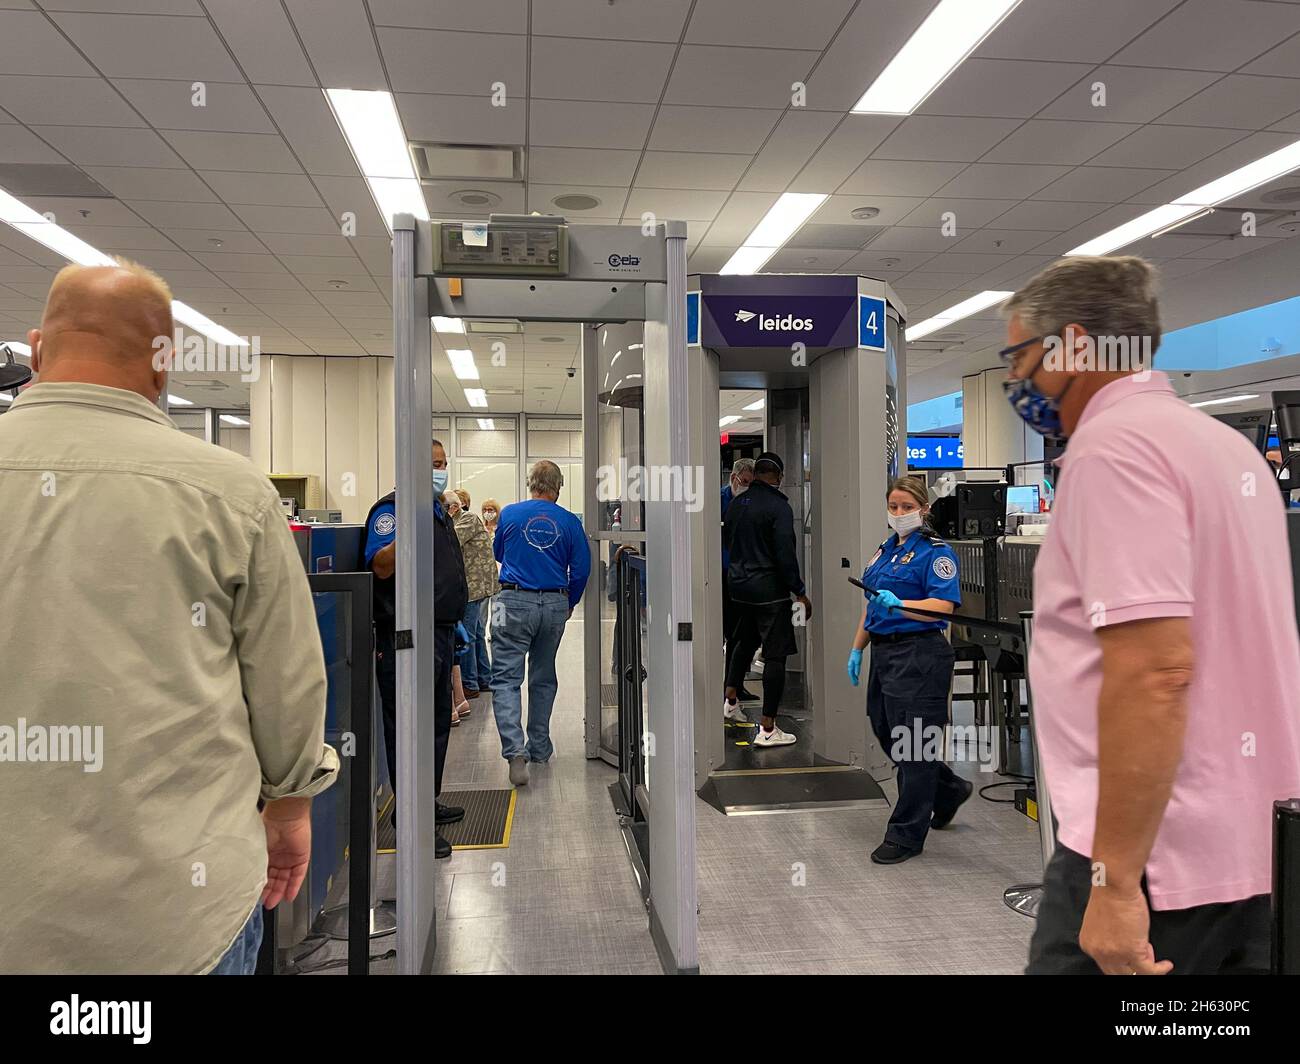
x: 545, y: 562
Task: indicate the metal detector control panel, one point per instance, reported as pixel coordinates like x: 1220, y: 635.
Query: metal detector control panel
x: 501, y: 248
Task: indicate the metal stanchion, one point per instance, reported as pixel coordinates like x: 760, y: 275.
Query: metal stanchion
x: 1286, y: 887
x: 1025, y: 897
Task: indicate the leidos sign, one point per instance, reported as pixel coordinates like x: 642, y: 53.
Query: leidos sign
x: 758, y: 320
x: 789, y: 323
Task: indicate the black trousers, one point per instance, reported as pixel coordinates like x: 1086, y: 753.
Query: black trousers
x: 1230, y: 938
x: 907, y: 702
x: 386, y: 673
x: 771, y: 626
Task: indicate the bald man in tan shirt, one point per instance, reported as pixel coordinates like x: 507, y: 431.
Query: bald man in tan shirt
x: 162, y: 668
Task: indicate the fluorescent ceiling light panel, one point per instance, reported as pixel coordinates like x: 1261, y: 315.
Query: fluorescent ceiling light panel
x: 954, y: 29
x: 755, y: 406
x: 374, y: 133
x: 1229, y: 399
x: 230, y: 419
x: 748, y: 260
x: 1185, y: 207
x: 6, y: 397
x: 476, y: 396
x: 779, y: 224
x: 176, y: 400
x: 192, y: 319
x: 18, y: 349
x: 462, y: 364
x: 961, y: 310
x: 448, y: 326
x: 730, y: 419
x: 486, y: 423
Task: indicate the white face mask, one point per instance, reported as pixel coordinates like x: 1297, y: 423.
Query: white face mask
x: 739, y: 490
x: 905, y: 524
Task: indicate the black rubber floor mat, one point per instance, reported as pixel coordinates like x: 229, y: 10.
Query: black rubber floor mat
x: 489, y: 816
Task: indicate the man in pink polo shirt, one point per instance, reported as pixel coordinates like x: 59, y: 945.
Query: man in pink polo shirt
x: 1165, y: 661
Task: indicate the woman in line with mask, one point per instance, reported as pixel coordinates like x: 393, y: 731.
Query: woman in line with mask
x: 911, y: 668
x: 481, y: 574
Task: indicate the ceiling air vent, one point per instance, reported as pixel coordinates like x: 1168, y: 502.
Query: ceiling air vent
x: 442, y: 162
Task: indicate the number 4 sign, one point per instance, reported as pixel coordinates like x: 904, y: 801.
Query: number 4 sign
x: 871, y: 323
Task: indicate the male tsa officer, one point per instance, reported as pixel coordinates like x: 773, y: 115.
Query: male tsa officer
x: 911, y: 669
x: 450, y: 593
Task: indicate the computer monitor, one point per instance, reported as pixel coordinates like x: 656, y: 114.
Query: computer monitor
x: 1253, y: 424
x: 1022, y: 499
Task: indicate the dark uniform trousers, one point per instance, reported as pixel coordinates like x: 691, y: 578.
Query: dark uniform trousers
x: 1230, y: 938
x: 907, y: 687
x: 444, y: 638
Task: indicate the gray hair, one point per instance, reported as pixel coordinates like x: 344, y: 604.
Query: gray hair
x: 743, y: 465
x: 1109, y: 295
x: 545, y: 478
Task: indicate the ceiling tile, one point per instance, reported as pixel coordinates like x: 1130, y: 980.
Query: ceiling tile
x: 997, y: 240
x: 95, y: 211
x: 843, y: 152
x: 1213, y: 35
x: 165, y: 46
x: 722, y: 129
x: 1048, y: 141
x: 251, y: 152
x: 807, y: 260
x: 30, y: 45
x: 591, y: 124
x: 915, y: 238
x: 610, y: 207
x: 94, y: 146
x: 1239, y: 101
x: 671, y: 169
x: 60, y: 101
x: 736, y: 77
x: 1171, y: 147
x: 767, y: 23
x: 352, y: 195
x: 20, y: 145
x: 1065, y: 30
x: 1237, y: 154
x: 595, y: 166
x: 483, y: 16
x: 668, y: 205
x: 893, y: 209
x: 276, y: 190
x: 888, y: 178
x: 202, y: 240
x: 308, y: 124
x: 460, y: 119
x: 606, y: 70
x: 1132, y: 94
x: 171, y: 105
x: 344, y: 266
x: 870, y: 38
x: 114, y: 238
x: 969, y: 213
x: 340, y: 43
x: 955, y: 139
x: 1000, y: 180
x: 186, y: 215
x: 1283, y: 61
x: 661, y: 21
x: 141, y: 183
x: 263, y: 40
x: 288, y: 219
x: 736, y: 220
x: 1001, y: 88
x: 796, y: 137
x: 1049, y: 216
x: 1101, y: 184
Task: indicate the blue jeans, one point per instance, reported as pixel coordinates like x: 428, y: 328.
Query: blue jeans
x: 527, y: 623
x: 241, y: 958
x: 475, y: 670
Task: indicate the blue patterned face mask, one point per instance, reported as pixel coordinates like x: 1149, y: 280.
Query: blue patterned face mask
x: 1040, y: 412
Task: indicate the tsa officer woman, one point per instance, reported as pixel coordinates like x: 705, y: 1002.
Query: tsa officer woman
x: 911, y: 668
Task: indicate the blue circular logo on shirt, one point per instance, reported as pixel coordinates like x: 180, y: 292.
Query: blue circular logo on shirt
x: 385, y: 524
x: 541, y: 532
x: 944, y: 568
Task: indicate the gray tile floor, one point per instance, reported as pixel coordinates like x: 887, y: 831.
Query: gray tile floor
x: 788, y: 893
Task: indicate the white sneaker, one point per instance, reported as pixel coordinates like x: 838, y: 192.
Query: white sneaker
x: 775, y: 737
x: 731, y: 711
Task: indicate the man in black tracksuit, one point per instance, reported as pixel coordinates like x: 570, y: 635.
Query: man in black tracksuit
x: 762, y: 577
x: 450, y: 593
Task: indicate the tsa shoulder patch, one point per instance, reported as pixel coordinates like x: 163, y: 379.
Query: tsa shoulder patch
x: 385, y: 524
x: 944, y: 567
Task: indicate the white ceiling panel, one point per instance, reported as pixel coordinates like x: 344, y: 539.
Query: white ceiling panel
x: 138, y: 7
x: 997, y: 240
x: 893, y: 209
x: 51, y: 100
x: 676, y: 169
x: 308, y: 124
x: 1066, y: 30
x: 968, y: 213
x: 340, y: 43
x: 882, y: 177
x: 736, y: 77
x: 1101, y: 184
x: 460, y: 119
x: 998, y: 88
x: 142, y: 183
x: 288, y: 219
x: 1132, y: 94
x: 107, y: 146
x: 591, y: 124
x: 922, y: 137
x: 351, y: 195
x: 29, y: 44
x: 342, y: 266
x: 122, y: 238
x: 482, y: 16
x: 870, y: 38
x: 1168, y: 147
x: 202, y: 240
x: 171, y: 105
x: 796, y: 137
x: 611, y: 200
x: 1283, y: 61
x: 126, y: 46
x: 767, y: 23
x: 275, y: 190
x: 18, y: 144
x: 807, y: 260
x: 739, y: 130
x: 843, y: 152
x: 1239, y: 101
x: 223, y: 262
x: 66, y: 208
x: 1051, y: 141
x: 593, y: 166
x: 915, y: 238
x: 287, y: 245
x: 1002, y: 180
x: 663, y: 20
x: 1050, y: 216
x: 250, y: 152
x: 736, y: 220
x: 1213, y: 35
x: 263, y: 41
x: 669, y: 204
x: 1241, y: 152
x: 608, y: 70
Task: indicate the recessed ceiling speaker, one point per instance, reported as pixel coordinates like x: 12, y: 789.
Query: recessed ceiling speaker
x: 476, y: 198
x: 1282, y: 195
x: 576, y: 201
x: 552, y: 339
x: 864, y: 213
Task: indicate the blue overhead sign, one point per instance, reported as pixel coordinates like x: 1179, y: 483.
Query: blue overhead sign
x: 871, y: 323
x: 692, y: 319
x: 778, y: 310
x: 935, y: 452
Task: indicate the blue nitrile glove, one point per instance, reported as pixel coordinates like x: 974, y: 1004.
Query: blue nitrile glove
x: 462, y: 640
x: 888, y: 600
x: 855, y: 666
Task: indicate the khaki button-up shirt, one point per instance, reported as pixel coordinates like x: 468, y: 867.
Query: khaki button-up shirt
x: 162, y: 670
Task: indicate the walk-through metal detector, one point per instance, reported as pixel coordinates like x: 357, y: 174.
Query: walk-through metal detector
x: 831, y: 354
x: 535, y: 268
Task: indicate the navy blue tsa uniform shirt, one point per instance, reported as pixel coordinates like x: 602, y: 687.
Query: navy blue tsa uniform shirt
x: 541, y: 547
x: 922, y: 566
x: 450, y: 585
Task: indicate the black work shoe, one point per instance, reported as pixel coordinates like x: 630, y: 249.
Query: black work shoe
x: 748, y: 696
x: 891, y: 853
x: 943, y: 817
x: 441, y: 847
x: 447, y: 814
